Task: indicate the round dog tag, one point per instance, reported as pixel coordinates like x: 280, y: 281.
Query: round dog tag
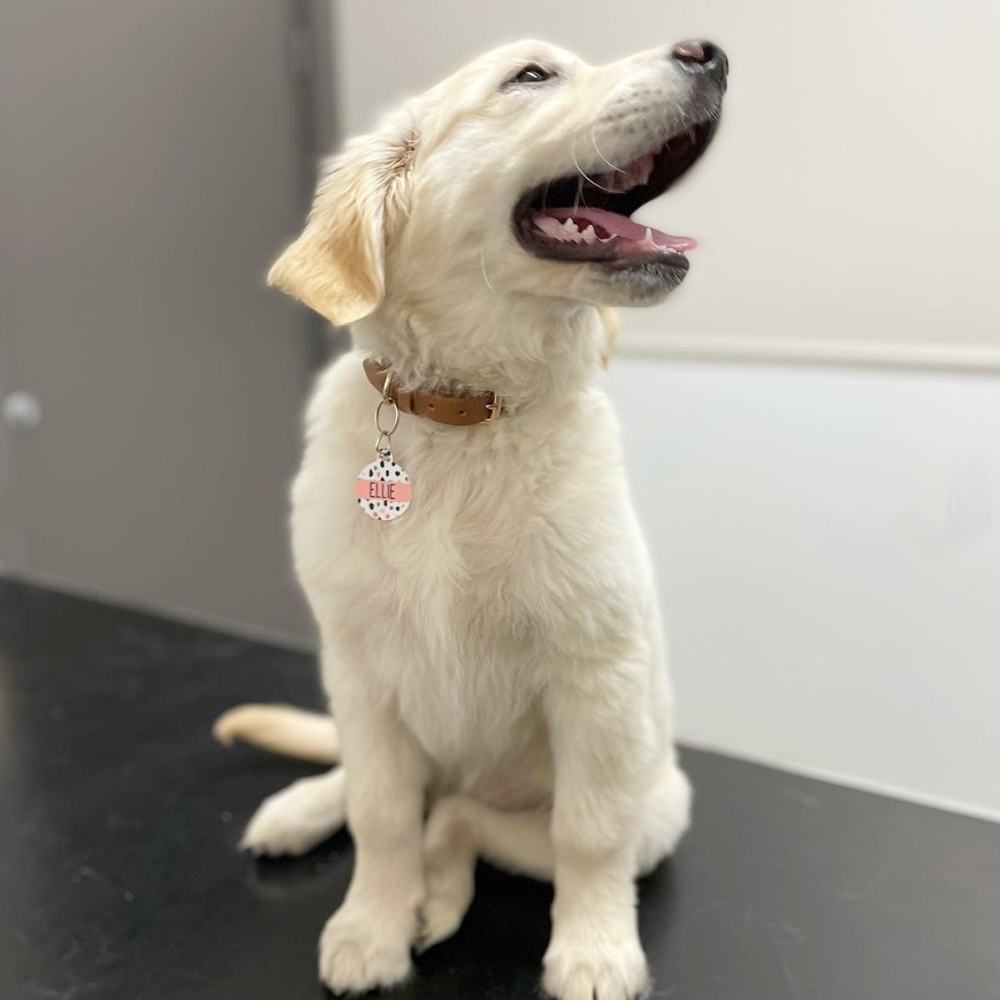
x: 383, y: 490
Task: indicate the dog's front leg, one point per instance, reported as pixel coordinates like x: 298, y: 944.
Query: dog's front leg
x: 366, y: 943
x: 602, y: 748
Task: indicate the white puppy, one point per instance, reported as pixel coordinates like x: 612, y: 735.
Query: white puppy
x: 493, y: 657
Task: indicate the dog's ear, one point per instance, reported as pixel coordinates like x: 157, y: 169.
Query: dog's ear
x: 337, y: 265
x: 609, y: 320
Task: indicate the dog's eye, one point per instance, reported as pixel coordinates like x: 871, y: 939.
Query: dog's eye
x: 532, y: 74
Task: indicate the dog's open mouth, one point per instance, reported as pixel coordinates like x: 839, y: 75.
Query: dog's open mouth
x: 578, y: 218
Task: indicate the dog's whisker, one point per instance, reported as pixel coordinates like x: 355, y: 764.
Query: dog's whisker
x: 576, y: 162
x: 597, y: 149
x: 486, y: 277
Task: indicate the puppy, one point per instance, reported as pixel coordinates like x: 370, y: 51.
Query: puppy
x: 491, y: 643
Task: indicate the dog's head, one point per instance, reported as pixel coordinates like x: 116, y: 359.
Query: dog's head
x: 516, y: 176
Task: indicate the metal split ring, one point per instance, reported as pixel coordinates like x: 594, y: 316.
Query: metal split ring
x: 387, y: 431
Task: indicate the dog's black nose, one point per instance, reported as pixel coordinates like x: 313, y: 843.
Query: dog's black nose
x: 701, y: 57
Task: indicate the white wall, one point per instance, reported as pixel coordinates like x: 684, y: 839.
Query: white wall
x: 852, y: 193
x: 826, y: 538
x: 828, y: 549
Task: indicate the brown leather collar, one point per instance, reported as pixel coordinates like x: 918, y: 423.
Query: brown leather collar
x: 453, y: 409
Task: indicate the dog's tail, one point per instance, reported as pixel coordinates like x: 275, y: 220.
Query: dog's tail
x: 281, y: 729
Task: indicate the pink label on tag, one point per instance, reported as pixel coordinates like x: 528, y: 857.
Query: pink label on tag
x: 383, y: 490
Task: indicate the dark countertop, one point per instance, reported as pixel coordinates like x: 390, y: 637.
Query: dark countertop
x: 120, y: 879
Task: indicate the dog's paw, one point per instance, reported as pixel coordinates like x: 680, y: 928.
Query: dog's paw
x: 574, y: 972
x: 449, y: 873
x: 296, y: 819
x: 450, y: 885
x: 448, y: 897
x: 357, y: 955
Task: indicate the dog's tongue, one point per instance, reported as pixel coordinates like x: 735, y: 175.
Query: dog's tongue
x: 621, y: 226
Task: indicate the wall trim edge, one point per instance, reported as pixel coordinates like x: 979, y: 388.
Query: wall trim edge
x: 751, y: 348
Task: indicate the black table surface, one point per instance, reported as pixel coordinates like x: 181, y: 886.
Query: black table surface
x: 120, y: 878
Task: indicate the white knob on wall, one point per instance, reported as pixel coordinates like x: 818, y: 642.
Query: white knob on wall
x: 22, y: 412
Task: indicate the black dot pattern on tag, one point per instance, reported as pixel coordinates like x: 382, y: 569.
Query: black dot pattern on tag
x: 382, y: 503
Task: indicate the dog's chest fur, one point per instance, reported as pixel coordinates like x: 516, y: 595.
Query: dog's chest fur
x: 507, y: 567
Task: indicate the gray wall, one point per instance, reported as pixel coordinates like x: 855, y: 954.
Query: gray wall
x: 155, y: 157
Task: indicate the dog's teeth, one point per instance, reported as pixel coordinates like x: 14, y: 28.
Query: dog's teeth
x: 589, y: 235
x: 570, y: 226
x: 649, y: 235
x: 552, y: 228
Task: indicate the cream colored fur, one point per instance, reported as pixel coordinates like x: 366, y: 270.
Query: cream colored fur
x: 494, y: 658
x: 281, y: 729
